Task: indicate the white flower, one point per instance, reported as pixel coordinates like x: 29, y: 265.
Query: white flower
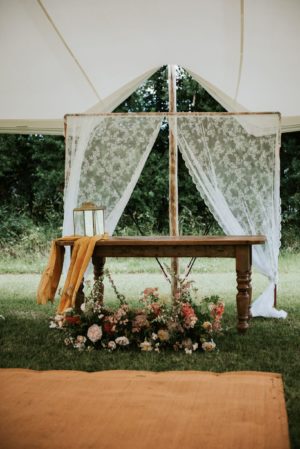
x: 52, y: 325
x: 195, y: 346
x: 100, y: 316
x: 82, y: 307
x: 111, y: 345
x: 154, y: 336
x: 208, y: 346
x: 81, y: 339
x: 80, y: 342
x: 67, y: 341
x: 146, y: 346
x: 122, y: 341
x: 188, y: 351
x: 58, y: 318
x: 94, y: 333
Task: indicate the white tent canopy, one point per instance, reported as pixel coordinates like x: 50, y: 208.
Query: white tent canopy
x: 60, y: 56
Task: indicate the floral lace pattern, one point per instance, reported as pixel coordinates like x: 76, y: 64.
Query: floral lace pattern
x: 237, y: 174
x: 114, y: 155
x: 233, y: 160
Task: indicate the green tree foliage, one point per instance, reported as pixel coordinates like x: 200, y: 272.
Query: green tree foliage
x: 32, y: 175
x: 148, y: 206
x: 31, y: 184
x: 290, y: 188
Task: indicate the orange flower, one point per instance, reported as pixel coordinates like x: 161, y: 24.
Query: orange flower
x: 187, y: 310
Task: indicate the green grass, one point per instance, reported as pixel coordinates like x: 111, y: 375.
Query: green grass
x: 269, y: 345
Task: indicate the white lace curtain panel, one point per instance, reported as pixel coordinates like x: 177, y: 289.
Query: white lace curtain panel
x: 233, y: 161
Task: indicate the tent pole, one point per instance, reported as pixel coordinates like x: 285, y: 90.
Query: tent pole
x: 173, y: 181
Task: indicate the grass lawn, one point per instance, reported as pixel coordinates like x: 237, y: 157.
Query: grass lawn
x: 269, y: 345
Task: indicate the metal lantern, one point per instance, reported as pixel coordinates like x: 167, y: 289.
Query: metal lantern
x: 88, y: 219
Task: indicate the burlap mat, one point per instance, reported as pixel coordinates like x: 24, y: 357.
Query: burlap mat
x: 138, y: 409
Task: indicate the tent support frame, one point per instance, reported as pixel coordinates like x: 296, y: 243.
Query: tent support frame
x: 173, y: 176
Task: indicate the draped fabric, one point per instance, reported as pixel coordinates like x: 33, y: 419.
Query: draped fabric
x: 105, y: 156
x: 234, y: 163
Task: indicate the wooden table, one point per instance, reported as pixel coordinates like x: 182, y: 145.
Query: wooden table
x: 238, y: 247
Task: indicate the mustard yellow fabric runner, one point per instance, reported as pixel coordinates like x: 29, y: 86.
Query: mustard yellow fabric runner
x: 83, y: 249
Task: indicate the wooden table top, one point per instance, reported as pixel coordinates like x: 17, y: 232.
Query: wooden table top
x: 178, y: 241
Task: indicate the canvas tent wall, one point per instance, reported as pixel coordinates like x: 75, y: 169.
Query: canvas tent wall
x: 60, y: 56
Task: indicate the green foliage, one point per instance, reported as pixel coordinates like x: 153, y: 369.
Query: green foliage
x: 290, y: 190
x: 31, y: 175
x: 32, y: 178
x: 147, y: 210
x: 31, y: 190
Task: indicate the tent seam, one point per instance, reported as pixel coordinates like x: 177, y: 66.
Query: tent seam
x: 242, y: 25
x: 68, y: 48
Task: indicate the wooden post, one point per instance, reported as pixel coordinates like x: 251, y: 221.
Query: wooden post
x: 173, y: 182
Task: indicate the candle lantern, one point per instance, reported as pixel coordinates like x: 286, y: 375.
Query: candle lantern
x: 88, y: 219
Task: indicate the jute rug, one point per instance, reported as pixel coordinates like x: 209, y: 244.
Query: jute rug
x: 142, y: 410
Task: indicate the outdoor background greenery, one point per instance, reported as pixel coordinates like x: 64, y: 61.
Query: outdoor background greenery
x: 32, y: 180
x: 31, y: 213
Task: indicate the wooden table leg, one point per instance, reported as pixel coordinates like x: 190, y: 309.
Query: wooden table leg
x: 79, y: 297
x: 99, y: 262
x: 243, y: 275
x: 80, y: 294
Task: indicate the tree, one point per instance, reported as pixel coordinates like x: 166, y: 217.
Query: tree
x: 32, y: 173
x: 290, y: 189
x: 148, y: 206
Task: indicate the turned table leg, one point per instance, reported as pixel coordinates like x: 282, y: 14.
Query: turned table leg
x: 99, y: 262
x: 80, y: 294
x: 243, y: 297
x: 79, y: 297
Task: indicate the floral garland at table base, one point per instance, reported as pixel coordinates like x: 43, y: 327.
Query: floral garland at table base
x: 184, y: 325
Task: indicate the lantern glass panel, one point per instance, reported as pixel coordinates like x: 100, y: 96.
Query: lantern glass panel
x: 89, y: 222
x: 99, y: 221
x: 78, y: 222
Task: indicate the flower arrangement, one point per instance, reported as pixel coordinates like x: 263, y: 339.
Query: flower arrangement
x: 184, y: 325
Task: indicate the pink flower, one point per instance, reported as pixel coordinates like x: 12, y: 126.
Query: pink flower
x: 187, y: 310
x: 190, y: 318
x: 122, y: 341
x: 155, y: 308
x: 94, y: 333
x: 216, y: 325
x: 150, y: 291
x: 217, y: 310
x: 139, y: 321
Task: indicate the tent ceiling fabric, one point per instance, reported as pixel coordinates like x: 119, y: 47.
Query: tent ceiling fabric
x: 64, y: 56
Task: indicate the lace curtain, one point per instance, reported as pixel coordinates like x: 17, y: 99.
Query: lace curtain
x: 234, y: 163
x: 105, y: 156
